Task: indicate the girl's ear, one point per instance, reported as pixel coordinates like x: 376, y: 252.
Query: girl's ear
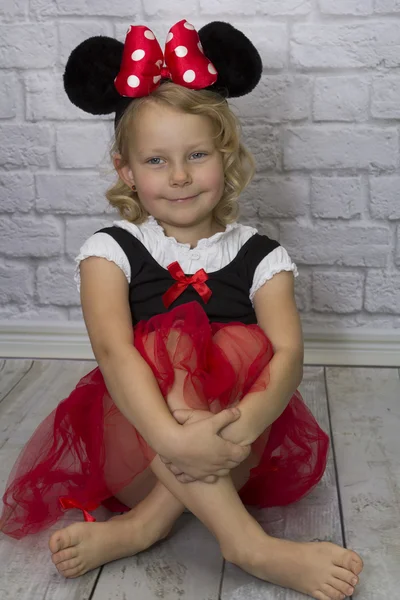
x: 116, y: 161
x: 125, y: 173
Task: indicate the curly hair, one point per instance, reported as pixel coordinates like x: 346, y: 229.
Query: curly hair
x: 238, y: 162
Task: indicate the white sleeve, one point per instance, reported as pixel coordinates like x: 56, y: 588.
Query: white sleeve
x: 103, y: 246
x: 276, y: 261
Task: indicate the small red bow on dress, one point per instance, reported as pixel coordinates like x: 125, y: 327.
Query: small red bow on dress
x: 183, y: 281
x: 68, y: 503
x: 144, y: 64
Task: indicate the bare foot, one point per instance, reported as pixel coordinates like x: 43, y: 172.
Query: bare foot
x: 81, y: 547
x: 319, y: 569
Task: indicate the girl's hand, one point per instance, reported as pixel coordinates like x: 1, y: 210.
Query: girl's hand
x: 202, y: 452
x: 186, y: 416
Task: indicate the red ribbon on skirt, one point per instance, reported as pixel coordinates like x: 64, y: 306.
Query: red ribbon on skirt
x: 68, y: 503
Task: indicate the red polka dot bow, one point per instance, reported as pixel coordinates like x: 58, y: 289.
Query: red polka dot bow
x: 144, y: 64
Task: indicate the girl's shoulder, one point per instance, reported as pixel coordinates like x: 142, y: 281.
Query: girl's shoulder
x: 214, y: 252
x: 102, y: 245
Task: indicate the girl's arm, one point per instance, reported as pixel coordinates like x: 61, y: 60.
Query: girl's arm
x: 132, y: 385
x: 277, y: 315
x: 129, y: 379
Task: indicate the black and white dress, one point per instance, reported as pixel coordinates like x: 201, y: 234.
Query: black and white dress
x: 192, y: 311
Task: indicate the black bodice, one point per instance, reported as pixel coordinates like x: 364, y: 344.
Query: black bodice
x: 230, y: 286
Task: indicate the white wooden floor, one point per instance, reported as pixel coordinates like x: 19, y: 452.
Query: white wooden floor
x: 357, y: 503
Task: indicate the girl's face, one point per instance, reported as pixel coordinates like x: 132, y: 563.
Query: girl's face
x: 175, y: 165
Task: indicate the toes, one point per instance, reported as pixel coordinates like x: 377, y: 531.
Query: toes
x: 345, y: 575
x: 352, y: 562
x: 63, y: 555
x: 342, y: 586
x: 332, y: 593
x: 59, y: 540
x: 56, y: 542
x: 321, y: 596
x: 357, y: 564
x: 72, y: 573
x: 70, y: 565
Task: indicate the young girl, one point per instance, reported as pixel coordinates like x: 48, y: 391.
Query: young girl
x: 215, y: 328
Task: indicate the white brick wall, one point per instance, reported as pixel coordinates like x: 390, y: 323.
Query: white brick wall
x: 323, y: 125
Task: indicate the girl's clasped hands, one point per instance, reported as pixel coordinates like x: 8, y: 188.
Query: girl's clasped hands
x: 201, y: 453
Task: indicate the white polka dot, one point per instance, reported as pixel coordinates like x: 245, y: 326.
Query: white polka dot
x: 149, y: 35
x: 188, y: 25
x: 212, y: 69
x: 189, y: 76
x: 157, y: 78
x: 133, y: 81
x: 181, y: 51
x: 200, y: 47
x: 138, y: 54
x: 159, y: 63
x: 169, y: 37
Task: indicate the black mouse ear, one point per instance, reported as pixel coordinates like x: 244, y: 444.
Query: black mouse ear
x: 236, y: 59
x: 90, y: 72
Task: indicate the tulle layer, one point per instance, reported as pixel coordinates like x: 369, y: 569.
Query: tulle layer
x: 86, y: 451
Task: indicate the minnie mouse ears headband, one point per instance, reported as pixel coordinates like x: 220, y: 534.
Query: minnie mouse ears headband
x: 103, y: 75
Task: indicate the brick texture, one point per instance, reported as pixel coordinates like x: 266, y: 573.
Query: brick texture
x: 323, y: 125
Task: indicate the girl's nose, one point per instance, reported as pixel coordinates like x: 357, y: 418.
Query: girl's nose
x: 180, y: 175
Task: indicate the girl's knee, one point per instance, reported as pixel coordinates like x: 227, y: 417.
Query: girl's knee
x: 242, y: 345
x: 228, y: 332
x: 239, y: 336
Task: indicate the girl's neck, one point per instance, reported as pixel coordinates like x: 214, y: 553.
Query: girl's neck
x: 192, y: 233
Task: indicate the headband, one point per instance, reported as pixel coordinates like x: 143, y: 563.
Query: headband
x: 103, y: 76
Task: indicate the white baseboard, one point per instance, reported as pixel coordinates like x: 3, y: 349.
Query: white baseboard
x: 350, y: 347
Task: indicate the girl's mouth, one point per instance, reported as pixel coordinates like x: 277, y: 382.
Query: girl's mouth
x: 183, y: 199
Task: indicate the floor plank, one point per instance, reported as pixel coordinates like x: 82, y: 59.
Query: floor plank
x: 316, y: 517
x: 187, y: 564
x: 11, y: 373
x: 26, y: 570
x: 365, y: 412
x: 37, y: 393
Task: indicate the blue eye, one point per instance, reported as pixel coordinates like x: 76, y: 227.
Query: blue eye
x: 153, y: 163
x: 201, y: 153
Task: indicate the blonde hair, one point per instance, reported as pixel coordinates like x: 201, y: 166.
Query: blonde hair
x: 238, y: 162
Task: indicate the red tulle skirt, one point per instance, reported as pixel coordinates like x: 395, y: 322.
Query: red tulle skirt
x: 86, y: 451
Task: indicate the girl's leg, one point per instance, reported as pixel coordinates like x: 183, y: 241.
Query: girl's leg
x: 81, y: 547
x: 321, y: 570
